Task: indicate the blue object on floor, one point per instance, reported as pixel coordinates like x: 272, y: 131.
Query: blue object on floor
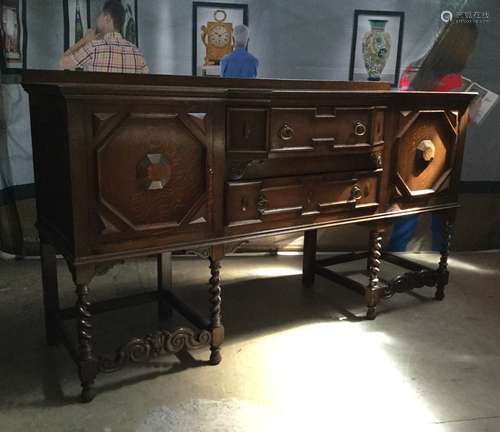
x: 403, y: 230
x: 405, y: 227
x: 437, y: 231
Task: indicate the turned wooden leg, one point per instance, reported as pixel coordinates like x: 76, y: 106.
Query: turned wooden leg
x: 309, y: 257
x: 88, y: 366
x: 371, y: 291
x: 50, y: 291
x: 164, y: 264
x: 443, y: 273
x: 215, y: 290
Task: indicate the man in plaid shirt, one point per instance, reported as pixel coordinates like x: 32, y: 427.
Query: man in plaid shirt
x: 104, y: 49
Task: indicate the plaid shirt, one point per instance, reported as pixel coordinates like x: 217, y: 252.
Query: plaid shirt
x: 112, y: 53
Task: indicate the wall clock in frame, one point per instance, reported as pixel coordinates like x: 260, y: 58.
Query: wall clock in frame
x: 213, y: 25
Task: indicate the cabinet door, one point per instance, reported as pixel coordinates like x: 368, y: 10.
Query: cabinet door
x: 151, y: 172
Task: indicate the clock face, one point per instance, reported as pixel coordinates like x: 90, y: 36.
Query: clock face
x: 219, y: 36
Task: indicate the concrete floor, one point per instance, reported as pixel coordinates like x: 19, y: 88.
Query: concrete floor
x: 291, y: 361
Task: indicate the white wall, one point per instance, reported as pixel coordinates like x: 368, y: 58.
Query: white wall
x: 309, y: 39
x: 292, y: 38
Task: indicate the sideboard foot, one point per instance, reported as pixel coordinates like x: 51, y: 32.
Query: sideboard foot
x: 215, y: 356
x: 371, y: 313
x: 88, y: 394
x: 439, y: 296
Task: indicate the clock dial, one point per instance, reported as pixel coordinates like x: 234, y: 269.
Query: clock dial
x: 219, y: 36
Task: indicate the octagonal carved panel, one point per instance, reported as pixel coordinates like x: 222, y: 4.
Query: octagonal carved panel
x: 152, y: 173
x: 425, y: 146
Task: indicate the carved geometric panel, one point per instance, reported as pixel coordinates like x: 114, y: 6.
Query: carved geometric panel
x: 152, y: 172
x: 425, y: 146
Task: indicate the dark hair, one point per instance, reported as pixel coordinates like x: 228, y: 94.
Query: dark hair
x: 115, y: 9
x: 449, y: 54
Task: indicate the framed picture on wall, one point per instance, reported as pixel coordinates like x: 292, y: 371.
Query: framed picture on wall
x: 377, y: 39
x: 76, y: 21
x: 213, y: 26
x: 130, y: 28
x: 13, y: 35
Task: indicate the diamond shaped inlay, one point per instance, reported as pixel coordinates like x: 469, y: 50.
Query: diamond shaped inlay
x: 153, y: 171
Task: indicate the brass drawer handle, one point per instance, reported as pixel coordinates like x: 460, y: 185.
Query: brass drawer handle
x: 262, y: 203
x: 356, y: 193
x: 377, y: 160
x: 286, y: 132
x: 359, y: 128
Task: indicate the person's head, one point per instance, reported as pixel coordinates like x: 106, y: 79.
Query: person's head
x: 111, y: 18
x: 241, y: 36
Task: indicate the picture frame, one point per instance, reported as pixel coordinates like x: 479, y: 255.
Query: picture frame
x: 377, y: 41
x: 130, y: 30
x: 235, y: 13
x: 76, y: 21
x: 13, y: 35
x: 483, y: 103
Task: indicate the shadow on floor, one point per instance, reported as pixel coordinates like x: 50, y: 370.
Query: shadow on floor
x: 251, y: 307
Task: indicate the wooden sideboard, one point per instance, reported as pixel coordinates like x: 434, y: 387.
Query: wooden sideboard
x: 130, y: 166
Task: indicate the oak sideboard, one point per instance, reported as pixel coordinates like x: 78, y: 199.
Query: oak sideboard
x: 129, y: 166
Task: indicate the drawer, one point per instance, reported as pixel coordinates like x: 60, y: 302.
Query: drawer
x: 324, y: 129
x: 298, y: 197
x: 288, y: 141
x: 288, y: 131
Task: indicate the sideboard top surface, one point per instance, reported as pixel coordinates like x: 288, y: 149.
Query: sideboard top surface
x: 93, y: 83
x: 75, y: 77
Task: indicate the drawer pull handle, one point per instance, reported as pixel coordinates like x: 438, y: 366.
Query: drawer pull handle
x: 261, y: 203
x: 356, y: 193
x: 377, y: 160
x: 286, y: 132
x: 359, y: 128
